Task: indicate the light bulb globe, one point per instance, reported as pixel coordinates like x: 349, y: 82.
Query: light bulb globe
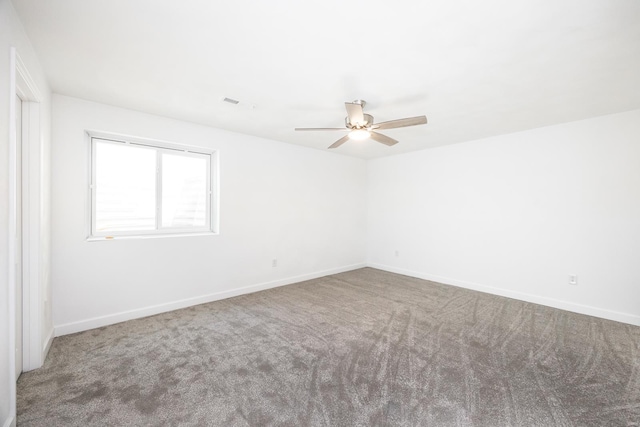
x: 359, y: 134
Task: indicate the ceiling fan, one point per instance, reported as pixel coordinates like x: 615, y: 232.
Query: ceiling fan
x: 360, y: 125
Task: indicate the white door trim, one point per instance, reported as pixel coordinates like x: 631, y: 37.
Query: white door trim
x: 31, y: 208
x: 21, y: 84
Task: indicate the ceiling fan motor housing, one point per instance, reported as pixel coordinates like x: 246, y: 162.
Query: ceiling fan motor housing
x: 368, y: 121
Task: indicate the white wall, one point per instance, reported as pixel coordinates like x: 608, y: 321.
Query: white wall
x: 12, y: 35
x: 512, y: 215
x: 304, y: 207
x: 517, y: 214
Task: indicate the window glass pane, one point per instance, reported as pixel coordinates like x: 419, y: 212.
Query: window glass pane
x: 125, y: 187
x: 184, y: 191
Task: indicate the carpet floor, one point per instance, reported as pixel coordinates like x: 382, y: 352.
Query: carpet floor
x: 362, y: 348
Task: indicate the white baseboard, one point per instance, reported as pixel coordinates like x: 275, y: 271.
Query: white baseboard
x: 98, y: 322
x: 46, y: 345
x: 550, y: 302
x: 10, y: 422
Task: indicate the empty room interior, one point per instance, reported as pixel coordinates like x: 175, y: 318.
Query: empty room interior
x: 336, y: 213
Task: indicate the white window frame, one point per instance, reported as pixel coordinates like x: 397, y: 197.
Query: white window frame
x: 160, y: 147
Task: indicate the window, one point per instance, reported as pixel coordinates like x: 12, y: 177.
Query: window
x: 141, y: 187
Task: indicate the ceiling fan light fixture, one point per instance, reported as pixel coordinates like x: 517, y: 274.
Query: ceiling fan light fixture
x: 361, y: 126
x: 359, y: 134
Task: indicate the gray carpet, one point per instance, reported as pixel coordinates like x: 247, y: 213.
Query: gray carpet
x: 363, y: 348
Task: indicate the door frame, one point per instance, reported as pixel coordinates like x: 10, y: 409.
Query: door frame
x: 22, y: 84
x: 32, y: 308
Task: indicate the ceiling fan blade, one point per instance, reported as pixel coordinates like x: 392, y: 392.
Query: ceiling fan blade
x: 400, y: 123
x: 355, y: 113
x: 382, y: 138
x: 339, y: 142
x: 314, y: 129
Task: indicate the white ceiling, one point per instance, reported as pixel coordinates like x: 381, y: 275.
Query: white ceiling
x: 475, y: 68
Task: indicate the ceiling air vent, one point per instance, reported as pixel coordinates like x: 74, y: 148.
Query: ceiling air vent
x: 231, y: 101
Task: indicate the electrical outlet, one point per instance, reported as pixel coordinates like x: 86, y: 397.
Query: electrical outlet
x: 274, y: 262
x: 573, y: 279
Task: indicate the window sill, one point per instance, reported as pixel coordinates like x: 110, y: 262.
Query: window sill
x: 149, y: 236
